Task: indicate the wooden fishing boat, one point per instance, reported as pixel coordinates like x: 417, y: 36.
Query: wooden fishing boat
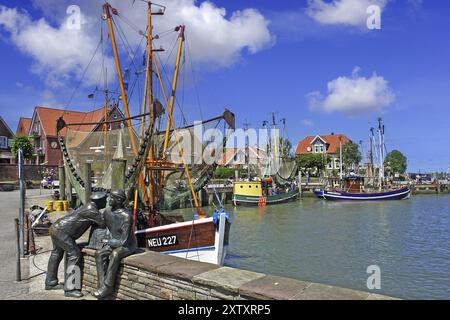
x: 204, y: 239
x: 260, y: 193
x: 354, y: 191
x: 275, y: 174
x: 153, y: 180
x: 399, y: 194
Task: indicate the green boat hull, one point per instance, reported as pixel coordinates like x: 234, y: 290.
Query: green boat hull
x: 254, y: 200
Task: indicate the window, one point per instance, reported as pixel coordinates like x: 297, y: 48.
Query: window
x: 336, y: 163
x: 321, y: 149
x: 3, y: 142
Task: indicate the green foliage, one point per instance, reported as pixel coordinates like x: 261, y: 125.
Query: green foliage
x: 312, y: 162
x: 24, y: 142
x: 286, y: 151
x: 350, y: 154
x: 395, y: 162
x: 224, y: 173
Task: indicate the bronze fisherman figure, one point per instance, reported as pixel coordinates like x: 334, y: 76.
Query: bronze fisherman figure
x: 63, y: 233
x: 120, y: 243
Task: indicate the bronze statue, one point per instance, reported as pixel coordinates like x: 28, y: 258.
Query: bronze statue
x: 63, y: 233
x: 120, y: 243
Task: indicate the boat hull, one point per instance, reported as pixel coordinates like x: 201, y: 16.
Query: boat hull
x: 399, y: 194
x: 200, y: 240
x: 255, y: 200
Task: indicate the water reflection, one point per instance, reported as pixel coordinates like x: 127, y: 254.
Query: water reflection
x: 335, y: 242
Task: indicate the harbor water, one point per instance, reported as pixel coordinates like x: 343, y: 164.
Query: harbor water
x: 335, y: 242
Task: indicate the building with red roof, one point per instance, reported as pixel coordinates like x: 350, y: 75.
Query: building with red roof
x: 42, y: 129
x: 323, y: 144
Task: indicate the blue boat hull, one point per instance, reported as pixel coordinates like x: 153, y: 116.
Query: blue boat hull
x: 380, y: 196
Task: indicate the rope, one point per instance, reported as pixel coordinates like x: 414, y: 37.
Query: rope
x: 194, y: 78
x: 82, y: 77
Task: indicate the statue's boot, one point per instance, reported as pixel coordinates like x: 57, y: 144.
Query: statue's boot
x: 53, y: 285
x: 73, y: 294
x: 103, y: 291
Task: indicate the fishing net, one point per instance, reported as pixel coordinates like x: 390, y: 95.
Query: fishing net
x: 201, y: 144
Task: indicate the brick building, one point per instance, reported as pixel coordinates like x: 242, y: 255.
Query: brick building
x: 6, y: 136
x: 42, y: 129
x: 323, y: 144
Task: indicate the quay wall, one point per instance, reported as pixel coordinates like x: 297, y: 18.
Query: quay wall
x: 9, y: 172
x: 155, y: 276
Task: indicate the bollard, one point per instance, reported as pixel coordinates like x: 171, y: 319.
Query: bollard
x: 62, y: 183
x: 18, y: 272
x: 118, y: 174
x: 87, y: 182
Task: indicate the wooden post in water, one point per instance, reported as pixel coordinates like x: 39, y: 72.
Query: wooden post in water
x: 62, y: 183
x: 118, y: 174
x: 210, y: 199
x: 223, y: 197
x: 69, y: 191
x: 300, y: 183
x: 87, y: 182
x: 200, y: 198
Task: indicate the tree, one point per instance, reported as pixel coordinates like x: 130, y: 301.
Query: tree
x: 395, y: 162
x: 24, y: 143
x: 351, y: 156
x: 312, y: 162
x: 287, y: 147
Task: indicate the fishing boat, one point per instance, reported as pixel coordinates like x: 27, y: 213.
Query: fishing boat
x: 273, y: 181
x: 160, y: 171
x: 261, y: 193
x: 353, y: 187
x: 354, y: 191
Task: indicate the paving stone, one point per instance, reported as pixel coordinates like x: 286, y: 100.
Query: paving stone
x: 272, y: 288
x: 227, y: 279
x: 185, y: 269
x: 149, y: 260
x: 316, y: 291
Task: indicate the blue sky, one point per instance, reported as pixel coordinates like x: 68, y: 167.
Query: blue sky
x: 280, y: 57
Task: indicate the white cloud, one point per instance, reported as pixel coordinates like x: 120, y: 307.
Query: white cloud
x: 307, y: 123
x: 353, y: 95
x: 346, y: 12
x: 58, y: 53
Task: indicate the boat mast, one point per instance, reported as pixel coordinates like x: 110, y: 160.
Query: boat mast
x: 371, y: 139
x: 105, y: 125
x: 380, y: 146
x: 107, y: 11
x: 170, y: 117
x: 340, y: 158
x: 283, y: 128
x: 247, y: 149
x: 174, y: 86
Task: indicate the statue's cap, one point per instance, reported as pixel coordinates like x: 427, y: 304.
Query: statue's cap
x: 119, y: 194
x: 98, y: 195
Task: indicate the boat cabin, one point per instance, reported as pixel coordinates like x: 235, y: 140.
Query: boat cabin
x: 254, y: 188
x: 354, y: 184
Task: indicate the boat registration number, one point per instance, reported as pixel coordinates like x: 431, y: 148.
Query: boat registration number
x: 162, y: 241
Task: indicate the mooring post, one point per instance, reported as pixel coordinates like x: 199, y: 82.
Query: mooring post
x: 18, y: 272
x: 210, y: 199
x: 300, y: 183
x: 62, y: 183
x: 22, y: 203
x: 87, y: 182
x: 118, y: 174
x: 223, y: 197
x: 200, y: 198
